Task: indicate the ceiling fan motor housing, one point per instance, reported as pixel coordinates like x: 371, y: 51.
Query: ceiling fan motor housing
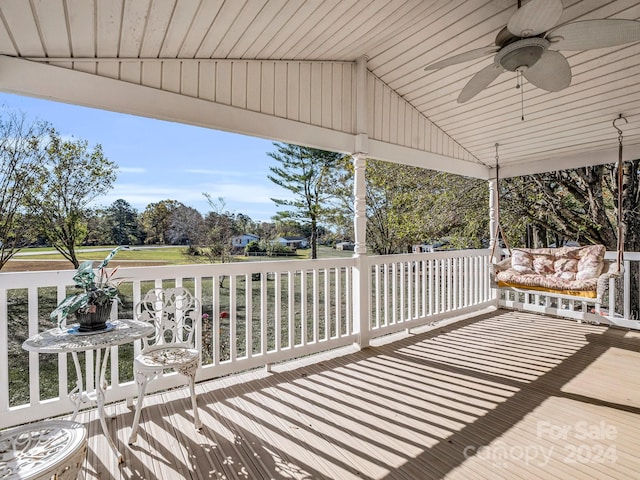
x: 521, y: 54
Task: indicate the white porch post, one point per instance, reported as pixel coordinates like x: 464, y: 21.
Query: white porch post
x: 361, y: 303
x: 360, y: 203
x: 361, y: 296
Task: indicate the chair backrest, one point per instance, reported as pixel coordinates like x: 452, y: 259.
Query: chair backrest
x: 174, y: 313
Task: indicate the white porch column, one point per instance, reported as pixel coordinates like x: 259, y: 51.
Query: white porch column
x: 361, y: 274
x: 361, y: 280
x: 359, y: 203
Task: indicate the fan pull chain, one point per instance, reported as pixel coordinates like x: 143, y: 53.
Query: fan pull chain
x: 522, y: 102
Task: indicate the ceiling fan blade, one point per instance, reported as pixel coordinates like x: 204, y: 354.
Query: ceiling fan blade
x: 551, y: 73
x: 588, y: 34
x: 535, y: 17
x: 480, y: 81
x: 464, y: 57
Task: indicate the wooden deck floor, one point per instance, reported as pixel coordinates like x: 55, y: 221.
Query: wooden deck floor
x: 503, y: 395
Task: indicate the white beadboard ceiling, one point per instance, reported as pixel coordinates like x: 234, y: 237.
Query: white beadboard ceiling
x: 117, y: 38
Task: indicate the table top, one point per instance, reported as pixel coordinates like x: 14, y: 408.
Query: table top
x: 68, y: 339
x: 42, y: 449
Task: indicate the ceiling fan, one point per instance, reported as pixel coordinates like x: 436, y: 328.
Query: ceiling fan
x: 530, y: 42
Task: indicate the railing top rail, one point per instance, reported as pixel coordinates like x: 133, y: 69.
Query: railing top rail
x: 429, y: 255
x: 13, y: 280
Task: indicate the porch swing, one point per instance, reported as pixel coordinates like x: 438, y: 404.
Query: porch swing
x: 576, y: 274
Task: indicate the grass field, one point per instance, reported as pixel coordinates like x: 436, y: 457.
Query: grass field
x: 39, y: 259
x: 44, y: 259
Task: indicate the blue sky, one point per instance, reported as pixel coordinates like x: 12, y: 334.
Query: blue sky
x: 161, y: 160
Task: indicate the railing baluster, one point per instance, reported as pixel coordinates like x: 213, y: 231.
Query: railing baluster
x: 349, y: 301
x: 277, y: 311
x: 215, y: 321
x: 338, y: 301
x: 402, y: 279
x: 327, y: 303
x: 386, y: 294
x: 264, y: 313
x: 248, y: 316
x: 34, y: 360
x: 627, y: 289
x: 233, y: 341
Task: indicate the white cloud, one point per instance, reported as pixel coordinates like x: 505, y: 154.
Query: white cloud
x: 140, y: 195
x: 224, y: 173
x: 252, y: 199
x: 132, y: 169
x: 245, y: 192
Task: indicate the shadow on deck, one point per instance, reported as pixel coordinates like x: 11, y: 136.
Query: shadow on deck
x: 501, y: 395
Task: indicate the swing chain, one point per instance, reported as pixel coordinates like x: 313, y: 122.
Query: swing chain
x: 499, y: 233
x: 621, y: 222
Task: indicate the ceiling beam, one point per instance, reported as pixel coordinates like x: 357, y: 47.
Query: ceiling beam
x: 577, y: 160
x: 40, y: 80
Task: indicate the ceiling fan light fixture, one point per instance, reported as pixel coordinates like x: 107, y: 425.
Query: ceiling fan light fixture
x: 521, y: 54
x: 523, y: 46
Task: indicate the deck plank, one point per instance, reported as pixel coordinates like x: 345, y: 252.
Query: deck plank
x: 505, y: 395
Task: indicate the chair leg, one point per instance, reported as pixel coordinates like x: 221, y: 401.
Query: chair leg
x: 141, y: 380
x: 196, y: 416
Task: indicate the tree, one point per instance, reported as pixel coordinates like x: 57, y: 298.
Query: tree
x: 21, y: 158
x: 220, y: 226
x: 98, y: 228
x: 458, y: 209
x: 266, y: 230
x: 408, y: 205
x: 75, y: 177
x: 244, y: 224
x: 579, y: 205
x: 306, y: 173
x: 155, y: 220
x: 123, y: 221
x: 568, y: 205
x: 291, y: 228
x: 185, y: 226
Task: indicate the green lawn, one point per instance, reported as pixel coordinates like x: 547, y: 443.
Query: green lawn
x: 18, y: 303
x: 168, y: 255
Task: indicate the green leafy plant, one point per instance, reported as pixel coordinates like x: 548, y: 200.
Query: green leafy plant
x: 100, y: 289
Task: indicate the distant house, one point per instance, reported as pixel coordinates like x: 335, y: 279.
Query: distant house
x: 293, y: 242
x: 240, y: 241
x: 345, y: 246
x: 432, y: 247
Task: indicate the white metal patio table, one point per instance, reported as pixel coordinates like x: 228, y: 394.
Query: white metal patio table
x: 67, y: 339
x: 42, y: 450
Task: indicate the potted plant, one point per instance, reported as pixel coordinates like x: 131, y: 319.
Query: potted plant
x: 91, y: 306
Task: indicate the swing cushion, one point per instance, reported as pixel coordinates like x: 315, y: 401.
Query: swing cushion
x: 566, y: 270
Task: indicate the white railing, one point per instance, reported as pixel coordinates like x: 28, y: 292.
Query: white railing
x: 254, y: 314
x: 409, y: 289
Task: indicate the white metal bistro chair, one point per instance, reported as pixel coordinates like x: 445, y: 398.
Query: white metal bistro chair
x: 174, y: 313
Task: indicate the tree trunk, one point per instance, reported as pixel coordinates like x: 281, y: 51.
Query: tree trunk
x: 314, y: 239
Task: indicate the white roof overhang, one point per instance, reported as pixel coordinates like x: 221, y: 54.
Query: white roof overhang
x: 341, y: 75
